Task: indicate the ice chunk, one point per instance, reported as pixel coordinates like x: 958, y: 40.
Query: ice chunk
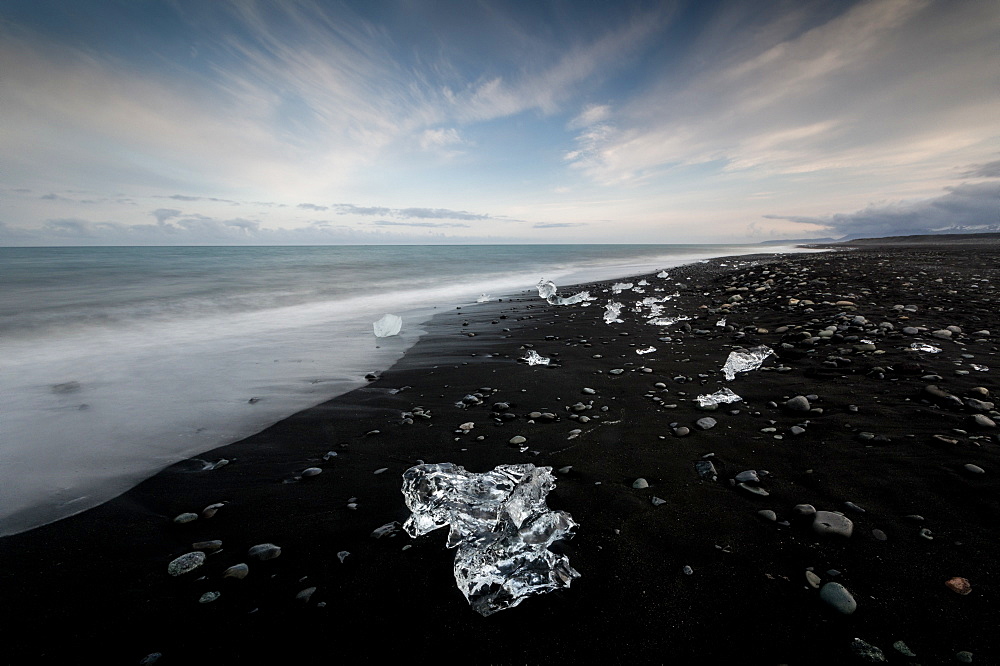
x: 642, y: 283
x: 924, y: 347
x: 647, y: 350
x: 721, y: 322
x: 720, y: 397
x: 500, y: 525
x: 745, y: 361
x: 662, y: 275
x: 547, y: 290
x: 534, y: 358
x: 619, y: 287
x: 388, y: 325
x: 484, y: 298
x: 979, y: 368
x: 667, y: 321
x: 611, y: 313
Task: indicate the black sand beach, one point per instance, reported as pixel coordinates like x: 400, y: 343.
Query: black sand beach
x: 904, y: 443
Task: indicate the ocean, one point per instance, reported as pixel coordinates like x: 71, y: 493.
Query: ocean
x: 119, y: 361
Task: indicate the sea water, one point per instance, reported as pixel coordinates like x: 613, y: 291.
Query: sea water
x: 118, y: 361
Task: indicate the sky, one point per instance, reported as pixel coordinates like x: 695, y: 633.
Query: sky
x: 156, y: 122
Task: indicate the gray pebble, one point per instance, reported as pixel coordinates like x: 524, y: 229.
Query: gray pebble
x: 517, y: 439
x: 804, y: 510
x: 973, y: 469
x: 903, y: 649
x: 749, y: 475
x: 984, y: 421
x: 185, y: 518
x: 837, y: 596
x: 209, y: 597
x: 827, y: 522
x: 682, y: 431
x: 264, y: 551
x: 305, y: 595
x: 964, y: 656
x: 237, y: 571
x: 706, y: 423
x: 640, y: 483
x: 798, y: 404
x: 185, y: 563
x: 867, y: 651
x: 767, y: 514
x: 311, y: 471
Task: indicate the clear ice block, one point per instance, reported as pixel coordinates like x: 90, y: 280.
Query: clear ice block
x: 388, y: 325
x: 612, y: 311
x: 745, y: 361
x: 547, y: 290
x: 500, y: 525
x: 720, y: 397
x: 534, y: 358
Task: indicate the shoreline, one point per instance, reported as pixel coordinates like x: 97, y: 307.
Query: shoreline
x: 747, y: 596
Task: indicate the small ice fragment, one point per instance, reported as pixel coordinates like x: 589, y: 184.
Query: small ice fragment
x: 720, y: 397
x: 386, y: 530
x: 745, y: 361
x: 721, y: 322
x: 388, y: 325
x: 547, y: 290
x: 500, y: 525
x: 619, y: 287
x: 979, y: 368
x: 667, y: 321
x: 647, y: 350
x: 611, y: 313
x: 484, y: 298
x: 534, y: 358
x: 924, y: 347
x: 662, y: 275
x: 642, y: 283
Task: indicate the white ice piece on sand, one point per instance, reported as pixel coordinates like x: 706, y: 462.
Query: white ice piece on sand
x: 647, y: 350
x: 500, y: 525
x: 619, y: 287
x: 662, y: 275
x: 485, y: 298
x: 534, y: 358
x: 745, y: 361
x: 547, y: 290
x: 612, y: 311
x: 924, y: 347
x: 720, y: 397
x: 388, y: 325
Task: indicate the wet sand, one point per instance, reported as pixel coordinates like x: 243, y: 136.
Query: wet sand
x: 699, y: 577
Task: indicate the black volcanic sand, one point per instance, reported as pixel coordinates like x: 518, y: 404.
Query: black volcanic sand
x: 95, y: 586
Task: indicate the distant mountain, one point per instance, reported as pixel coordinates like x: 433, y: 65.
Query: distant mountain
x: 929, y: 239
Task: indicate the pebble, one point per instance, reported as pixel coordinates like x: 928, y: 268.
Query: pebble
x: 186, y: 518
x: 813, y: 580
x: 682, y: 431
x: 959, y: 585
x: 657, y: 501
x: 748, y: 475
x: 211, y: 509
x: 867, y: 651
x: 798, y: 404
x: 209, y: 597
x: 902, y: 648
x: 311, y: 471
x: 837, y: 596
x: 804, y: 510
x: 797, y: 430
x: 964, y: 656
x: 767, y: 514
x: 264, y: 551
x: 237, y: 571
x: 879, y: 535
x: 828, y: 522
x: 973, y: 469
x: 517, y: 439
x: 640, y: 483
x: 212, y: 545
x: 185, y: 563
x: 984, y: 421
x: 755, y: 490
x: 706, y: 423
x: 305, y: 595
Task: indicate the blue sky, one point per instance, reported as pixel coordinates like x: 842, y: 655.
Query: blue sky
x: 192, y: 122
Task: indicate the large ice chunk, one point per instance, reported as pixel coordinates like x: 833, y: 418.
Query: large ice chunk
x: 745, y: 361
x: 547, y: 290
x: 388, y: 325
x: 534, y: 358
x: 720, y: 397
x: 612, y: 312
x: 500, y: 525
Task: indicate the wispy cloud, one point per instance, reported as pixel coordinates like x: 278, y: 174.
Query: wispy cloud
x: 309, y: 206
x: 557, y: 225
x: 389, y: 223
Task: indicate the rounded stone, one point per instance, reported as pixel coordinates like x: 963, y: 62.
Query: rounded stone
x: 264, y: 551
x: 837, y: 597
x: 682, y: 431
x: 804, y: 510
x: 828, y: 522
x: 798, y: 404
x: 959, y: 585
x: 767, y: 514
x: 312, y: 471
x: 237, y: 571
x: 186, y: 518
x: 984, y: 421
x: 973, y: 469
x: 706, y: 423
x: 185, y: 563
x: 640, y: 483
x: 209, y: 597
x: 305, y: 595
x: 517, y: 439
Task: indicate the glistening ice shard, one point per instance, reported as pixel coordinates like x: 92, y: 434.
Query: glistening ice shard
x: 547, y: 290
x: 500, y: 525
x: 388, y: 325
x: 745, y: 361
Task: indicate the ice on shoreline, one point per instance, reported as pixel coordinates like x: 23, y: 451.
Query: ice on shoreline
x: 500, y: 525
